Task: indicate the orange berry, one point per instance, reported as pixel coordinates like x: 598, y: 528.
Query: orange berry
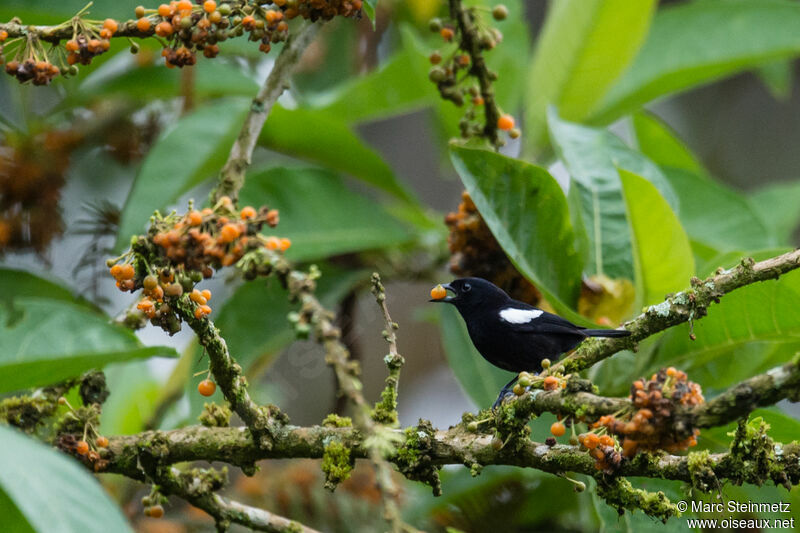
x: 273, y: 243
x: 72, y: 46
x: 285, y: 244
x: 3, y: 35
x: 127, y: 272
x: 82, y: 447
x: 672, y: 371
x: 273, y: 16
x: 205, y: 309
x: 478, y: 100
x: 143, y: 24
x: 158, y: 293
x: 247, y: 212
x: 606, y: 440
x: 447, y: 34
x: 591, y: 441
x: 206, y: 294
x: 164, y: 29
x: 209, y: 6
x: 156, y: 511
x: 164, y: 10
x: 505, y: 122
x: 598, y: 454
x: 105, y: 33
x: 558, y: 429
x: 629, y: 447
x: 248, y: 21
x: 195, y: 218
x: 550, y: 383
x: 438, y: 292
x: 116, y: 271
x: 206, y: 387
x: 198, y: 313
x: 197, y: 297
x: 229, y: 233
x: 111, y: 25
x: 101, y: 441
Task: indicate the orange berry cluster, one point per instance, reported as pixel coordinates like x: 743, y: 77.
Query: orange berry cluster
x: 84, y: 47
x: 189, y: 27
x: 181, y: 250
x: 475, y: 252
x: 39, y: 72
x: 650, y: 425
x: 603, y: 449
x: 32, y: 168
x: 452, y: 71
x: 84, y: 451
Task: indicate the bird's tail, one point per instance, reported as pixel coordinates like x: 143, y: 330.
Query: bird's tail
x: 606, y: 332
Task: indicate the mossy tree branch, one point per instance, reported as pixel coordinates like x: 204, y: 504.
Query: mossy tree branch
x: 685, y: 306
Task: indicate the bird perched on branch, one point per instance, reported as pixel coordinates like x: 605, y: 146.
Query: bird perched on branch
x: 510, y: 334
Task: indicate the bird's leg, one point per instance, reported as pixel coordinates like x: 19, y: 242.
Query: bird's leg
x: 504, y: 392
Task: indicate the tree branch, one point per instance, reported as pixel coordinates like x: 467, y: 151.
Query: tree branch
x: 232, y: 174
x: 685, y: 306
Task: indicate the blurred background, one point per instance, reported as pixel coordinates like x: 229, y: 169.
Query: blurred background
x: 362, y: 93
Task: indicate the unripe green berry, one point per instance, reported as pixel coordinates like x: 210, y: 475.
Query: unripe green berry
x: 500, y: 12
x: 472, y: 426
x: 546, y: 364
x: 437, y: 75
x: 435, y: 25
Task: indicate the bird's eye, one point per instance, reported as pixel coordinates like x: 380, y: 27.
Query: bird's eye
x: 467, y: 287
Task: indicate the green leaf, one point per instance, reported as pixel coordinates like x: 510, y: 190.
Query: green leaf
x: 479, y: 379
x: 135, y: 395
x: 777, y: 77
x: 183, y: 157
x: 526, y: 211
x: 783, y: 429
x: 662, y: 255
x: 320, y: 214
x: 394, y: 88
x: 592, y: 157
x: 328, y: 141
x: 19, y: 283
x: 697, y: 42
x: 716, y: 215
x: 369, y: 9
x: 777, y: 206
x: 748, y: 323
x: 250, y: 335
x: 584, y: 46
x: 51, y: 491
x: 44, y: 341
x: 661, y: 144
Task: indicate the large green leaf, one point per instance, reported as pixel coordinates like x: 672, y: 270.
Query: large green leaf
x: 584, y: 46
x: 697, y: 42
x: 252, y: 335
x: 19, y: 283
x: 716, y: 215
x: 183, y: 156
x: 757, y: 324
x: 662, y: 255
x: 43, y: 341
x: 526, y: 211
x: 136, y: 392
x: 783, y: 428
x: 777, y: 206
x: 320, y: 214
x: 51, y: 492
x: 394, y: 88
x: 326, y: 139
x: 592, y: 157
x: 658, y: 142
x: 480, y: 380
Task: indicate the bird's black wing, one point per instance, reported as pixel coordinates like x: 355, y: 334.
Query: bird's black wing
x: 546, y: 323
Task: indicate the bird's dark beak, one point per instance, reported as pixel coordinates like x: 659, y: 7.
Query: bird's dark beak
x: 446, y: 299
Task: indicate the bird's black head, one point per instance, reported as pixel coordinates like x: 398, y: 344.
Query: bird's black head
x: 473, y: 292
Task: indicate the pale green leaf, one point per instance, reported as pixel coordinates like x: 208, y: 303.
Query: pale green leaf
x: 661, y: 144
x: 43, y: 341
x: 584, y: 46
x: 52, y: 491
x: 662, y: 255
x: 776, y: 204
x: 592, y: 157
x: 693, y: 43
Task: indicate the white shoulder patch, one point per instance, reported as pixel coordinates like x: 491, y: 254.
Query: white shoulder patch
x: 519, y: 316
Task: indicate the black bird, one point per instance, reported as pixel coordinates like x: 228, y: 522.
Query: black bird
x: 513, y: 335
